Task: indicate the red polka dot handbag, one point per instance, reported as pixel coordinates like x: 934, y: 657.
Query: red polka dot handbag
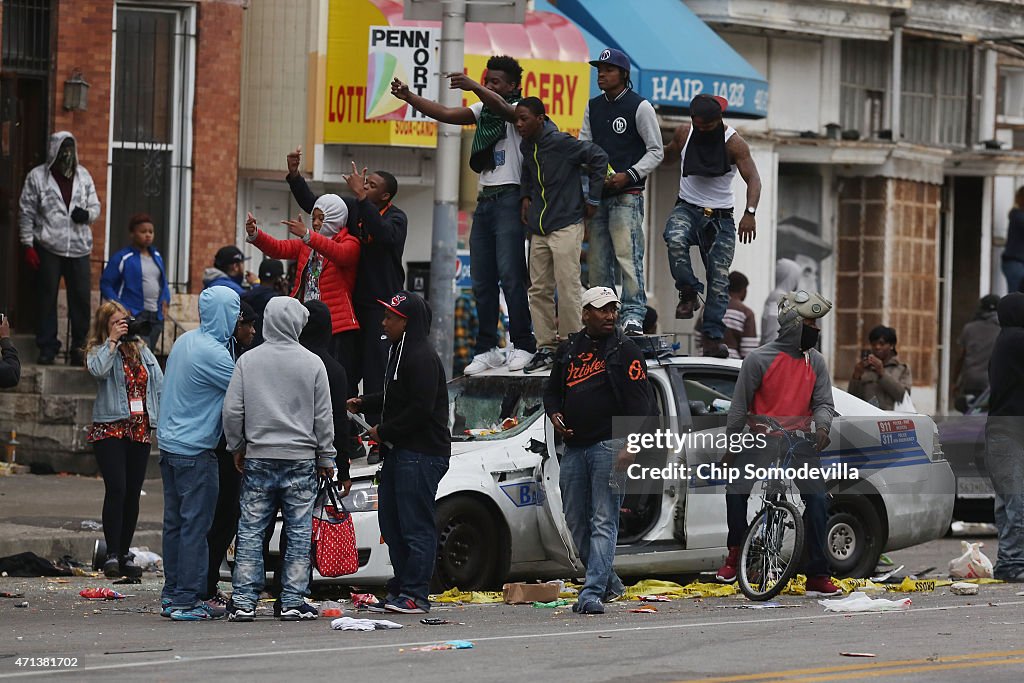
x: 334, y: 536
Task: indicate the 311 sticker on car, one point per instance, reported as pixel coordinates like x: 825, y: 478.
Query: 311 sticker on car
x: 897, y: 432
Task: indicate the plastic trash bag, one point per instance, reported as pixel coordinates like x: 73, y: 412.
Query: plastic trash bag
x: 973, y: 564
x: 862, y: 602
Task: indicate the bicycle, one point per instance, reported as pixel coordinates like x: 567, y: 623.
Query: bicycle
x: 773, y: 544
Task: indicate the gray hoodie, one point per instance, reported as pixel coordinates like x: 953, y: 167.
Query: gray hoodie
x: 278, y: 404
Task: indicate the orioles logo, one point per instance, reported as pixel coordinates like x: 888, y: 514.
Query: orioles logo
x: 637, y: 371
x: 585, y: 357
x: 399, y: 298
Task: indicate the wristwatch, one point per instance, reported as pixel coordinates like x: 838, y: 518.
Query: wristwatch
x: 752, y: 210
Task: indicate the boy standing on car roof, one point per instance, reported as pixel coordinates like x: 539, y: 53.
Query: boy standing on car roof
x: 416, y: 445
x: 788, y: 381
x: 598, y: 374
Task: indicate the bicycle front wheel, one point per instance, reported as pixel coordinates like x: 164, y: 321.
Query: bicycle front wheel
x: 771, y: 550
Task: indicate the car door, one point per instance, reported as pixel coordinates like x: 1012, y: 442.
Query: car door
x: 553, y: 529
x: 703, y: 394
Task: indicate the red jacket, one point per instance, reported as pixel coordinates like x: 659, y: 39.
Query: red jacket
x: 338, y: 280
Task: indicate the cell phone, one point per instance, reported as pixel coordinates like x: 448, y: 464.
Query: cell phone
x: 560, y: 422
x: 864, y: 354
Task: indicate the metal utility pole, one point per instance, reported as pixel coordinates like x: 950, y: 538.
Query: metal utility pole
x: 446, y: 190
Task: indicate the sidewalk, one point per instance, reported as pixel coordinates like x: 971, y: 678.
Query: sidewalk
x: 44, y: 515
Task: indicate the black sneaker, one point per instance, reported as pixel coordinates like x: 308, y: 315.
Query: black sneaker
x: 688, y: 303
x: 112, y: 567
x: 542, y: 360
x: 236, y: 613
x: 633, y: 328
x: 128, y: 567
x: 406, y: 606
x: 302, y: 612
x: 715, y: 348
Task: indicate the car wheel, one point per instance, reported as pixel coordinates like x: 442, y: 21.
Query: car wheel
x: 853, y: 541
x: 468, y: 545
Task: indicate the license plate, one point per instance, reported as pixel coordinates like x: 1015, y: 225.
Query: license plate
x: 973, y: 485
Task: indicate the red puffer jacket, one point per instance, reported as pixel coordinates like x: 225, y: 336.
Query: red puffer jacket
x: 338, y: 279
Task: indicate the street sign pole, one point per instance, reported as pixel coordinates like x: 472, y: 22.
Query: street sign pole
x: 446, y: 191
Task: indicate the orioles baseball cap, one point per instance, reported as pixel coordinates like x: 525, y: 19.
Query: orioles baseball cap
x: 599, y: 297
x: 611, y: 56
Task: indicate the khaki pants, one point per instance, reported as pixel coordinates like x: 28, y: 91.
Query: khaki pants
x: 555, y: 262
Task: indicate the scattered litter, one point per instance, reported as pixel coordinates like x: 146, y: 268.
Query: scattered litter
x: 350, y: 624
x: 759, y: 605
x: 645, y: 610
x: 973, y: 529
x: 963, y: 588
x: 450, y: 645
x: 148, y: 560
x: 653, y: 598
x: 91, y: 525
x: 858, y: 654
x: 524, y: 593
x: 58, y: 581
x: 604, y: 636
x: 21, y: 604
x: 456, y: 596
x: 362, y: 599
x: 102, y: 594
x: 561, y: 602
x: 696, y: 589
x: 6, y: 594
x: 883, y: 559
x: 862, y: 602
x: 909, y: 585
x: 435, y: 621
x: 128, y: 579
x: 329, y: 608
x: 882, y: 577
x: 973, y: 564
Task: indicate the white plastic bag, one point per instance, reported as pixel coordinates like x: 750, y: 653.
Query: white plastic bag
x: 904, y: 405
x: 862, y: 602
x: 973, y: 564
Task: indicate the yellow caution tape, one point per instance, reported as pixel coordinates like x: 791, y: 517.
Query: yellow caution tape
x: 696, y: 589
x: 454, y: 595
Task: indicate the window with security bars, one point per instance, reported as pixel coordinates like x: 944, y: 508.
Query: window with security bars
x: 936, y: 84
x: 863, y: 86
x: 26, y: 36
x: 151, y: 135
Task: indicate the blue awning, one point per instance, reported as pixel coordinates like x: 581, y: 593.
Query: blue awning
x: 675, y: 55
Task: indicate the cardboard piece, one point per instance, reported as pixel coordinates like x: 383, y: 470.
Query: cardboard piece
x: 528, y: 593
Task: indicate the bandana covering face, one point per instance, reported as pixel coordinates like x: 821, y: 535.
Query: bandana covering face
x: 65, y: 161
x: 705, y: 151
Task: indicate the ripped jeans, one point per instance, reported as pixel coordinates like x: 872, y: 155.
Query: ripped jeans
x: 715, y: 237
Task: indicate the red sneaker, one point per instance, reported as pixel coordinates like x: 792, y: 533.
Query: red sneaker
x: 822, y: 586
x: 727, y: 574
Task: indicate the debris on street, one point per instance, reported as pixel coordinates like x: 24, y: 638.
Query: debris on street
x: 862, y: 602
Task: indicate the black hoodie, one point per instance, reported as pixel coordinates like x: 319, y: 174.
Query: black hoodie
x: 316, y: 336
x: 414, y: 404
x: 1006, y: 368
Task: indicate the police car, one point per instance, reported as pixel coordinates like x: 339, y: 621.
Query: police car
x: 499, y: 510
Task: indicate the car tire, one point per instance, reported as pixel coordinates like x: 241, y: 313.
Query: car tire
x: 468, y: 545
x: 853, y: 540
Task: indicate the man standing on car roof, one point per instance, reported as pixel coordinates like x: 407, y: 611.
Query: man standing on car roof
x: 786, y: 380
x: 625, y: 126
x: 598, y: 374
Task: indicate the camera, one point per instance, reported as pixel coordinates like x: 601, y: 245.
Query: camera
x: 864, y: 354
x: 138, y: 329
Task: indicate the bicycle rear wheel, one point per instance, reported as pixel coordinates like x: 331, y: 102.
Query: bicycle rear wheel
x: 772, y: 547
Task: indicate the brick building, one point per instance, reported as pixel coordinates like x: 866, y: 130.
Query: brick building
x: 159, y: 133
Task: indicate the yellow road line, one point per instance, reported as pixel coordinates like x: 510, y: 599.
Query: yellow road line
x: 866, y: 668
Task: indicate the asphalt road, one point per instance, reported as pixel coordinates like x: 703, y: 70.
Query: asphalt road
x: 942, y: 637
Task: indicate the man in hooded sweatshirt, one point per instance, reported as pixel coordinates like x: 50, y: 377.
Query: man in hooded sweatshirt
x: 416, y: 445
x: 58, y: 204
x: 228, y: 270
x: 198, y: 372
x: 786, y: 380
x: 278, y: 422
x: 1004, y: 437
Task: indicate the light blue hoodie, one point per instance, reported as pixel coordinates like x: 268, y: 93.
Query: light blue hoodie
x: 198, y: 373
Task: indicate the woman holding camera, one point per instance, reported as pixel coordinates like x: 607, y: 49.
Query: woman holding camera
x: 881, y: 378
x: 126, y: 409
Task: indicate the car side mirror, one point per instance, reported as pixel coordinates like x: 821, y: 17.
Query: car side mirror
x: 538, y: 447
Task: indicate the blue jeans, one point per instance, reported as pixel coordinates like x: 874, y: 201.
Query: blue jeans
x: 1013, y: 271
x: 715, y: 237
x: 405, y: 513
x: 1004, y: 458
x: 591, y: 508
x: 812, y: 491
x: 497, y: 253
x: 617, y: 234
x: 266, y: 484
x: 190, y: 498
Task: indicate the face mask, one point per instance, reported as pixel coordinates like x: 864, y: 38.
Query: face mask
x: 65, y: 162
x: 808, y: 337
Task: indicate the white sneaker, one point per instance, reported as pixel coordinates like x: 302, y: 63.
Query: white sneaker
x: 519, y: 359
x: 486, y: 361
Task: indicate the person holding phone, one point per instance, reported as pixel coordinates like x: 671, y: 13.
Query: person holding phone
x: 881, y: 378
x: 10, y: 364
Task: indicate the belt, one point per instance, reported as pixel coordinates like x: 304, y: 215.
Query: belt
x: 708, y: 212
x: 495, y: 192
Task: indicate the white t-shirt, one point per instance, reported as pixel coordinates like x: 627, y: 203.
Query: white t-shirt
x: 508, y: 157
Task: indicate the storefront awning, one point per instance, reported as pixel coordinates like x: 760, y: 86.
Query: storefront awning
x: 675, y: 55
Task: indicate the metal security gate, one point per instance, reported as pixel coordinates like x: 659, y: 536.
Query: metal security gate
x: 24, y: 112
x: 150, y: 146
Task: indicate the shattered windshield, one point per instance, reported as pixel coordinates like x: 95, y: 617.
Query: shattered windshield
x: 493, y: 407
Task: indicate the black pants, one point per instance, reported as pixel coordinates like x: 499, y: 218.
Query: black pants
x: 225, y: 518
x: 122, y: 463
x: 75, y: 272
x: 371, y: 354
x: 344, y: 348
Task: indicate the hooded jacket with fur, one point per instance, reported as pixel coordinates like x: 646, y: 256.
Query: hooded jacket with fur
x: 783, y: 382
x: 44, y: 220
x: 278, y: 405
x: 413, y: 407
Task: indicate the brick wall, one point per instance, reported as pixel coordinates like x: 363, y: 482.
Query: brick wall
x: 887, y: 271
x: 84, y: 42
x: 215, y: 125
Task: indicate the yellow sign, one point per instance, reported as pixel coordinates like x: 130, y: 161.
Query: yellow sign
x: 564, y: 87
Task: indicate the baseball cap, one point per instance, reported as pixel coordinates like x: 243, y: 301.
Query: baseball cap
x: 599, y: 297
x: 270, y: 269
x: 611, y: 56
x: 703, y: 106
x: 247, y: 313
x: 228, y: 255
x: 989, y: 302
x: 400, y: 304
